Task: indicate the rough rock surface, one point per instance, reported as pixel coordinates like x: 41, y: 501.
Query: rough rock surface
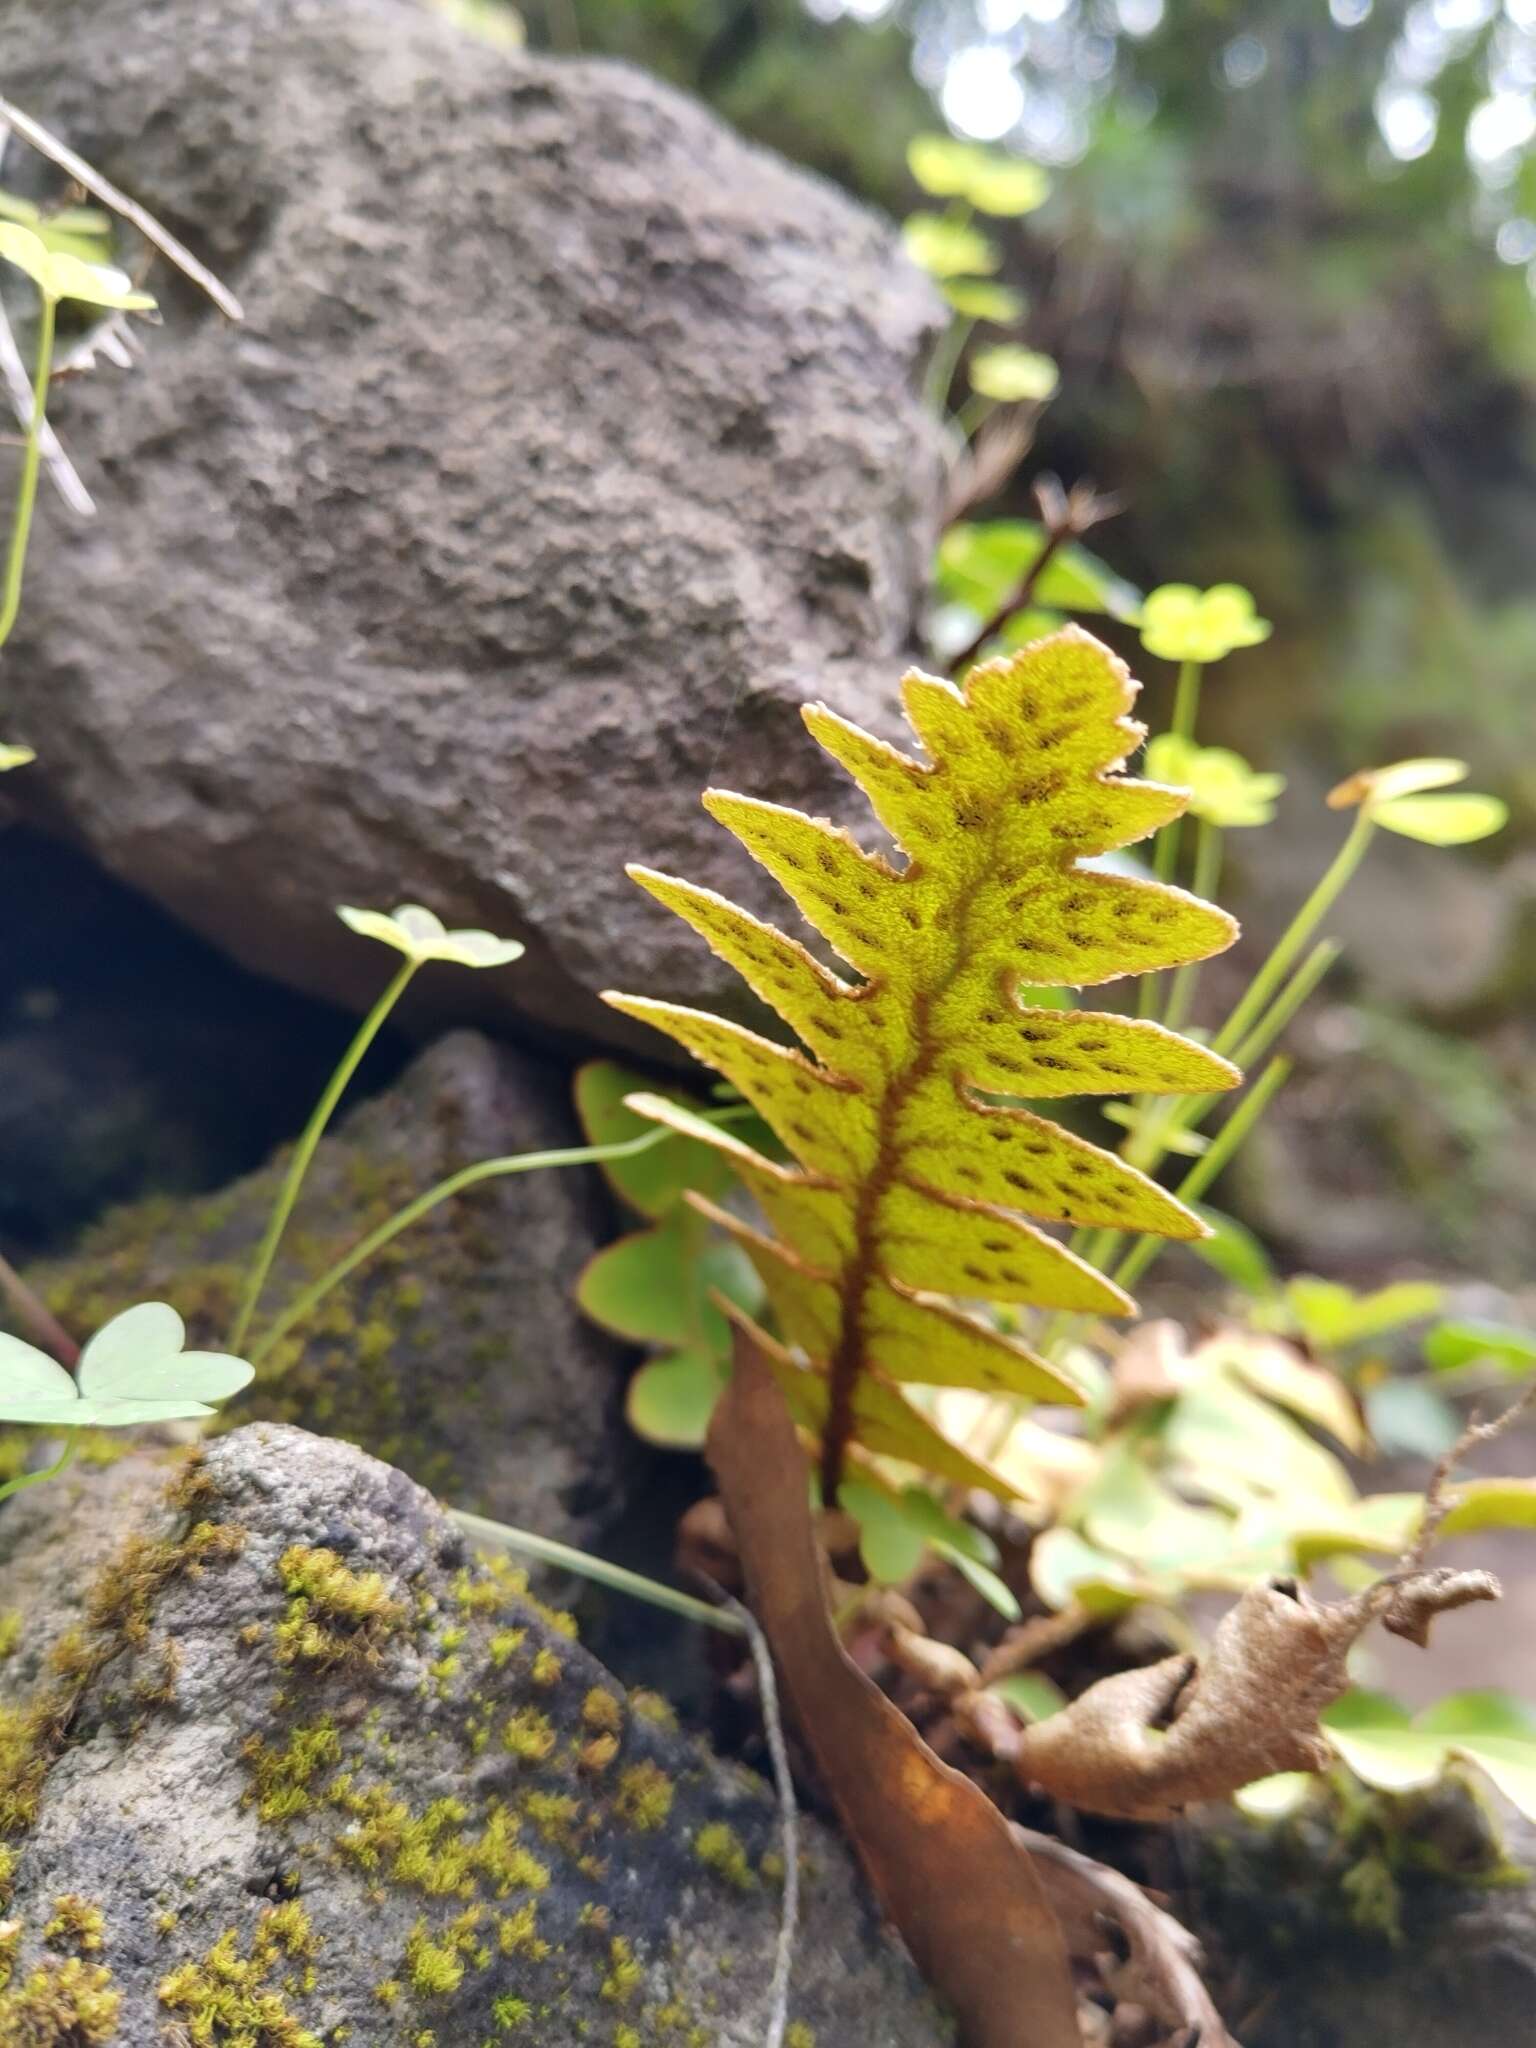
x: 569, y: 443
x: 1311, y: 1970
x: 324, y: 1777
x: 457, y: 1351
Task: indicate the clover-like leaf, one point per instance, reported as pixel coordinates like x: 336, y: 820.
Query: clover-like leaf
x: 1013, y: 375
x: 58, y: 274
x: 948, y: 248
x: 1395, y: 798
x: 990, y: 180
x: 420, y: 935
x: 654, y: 1182
x: 1181, y: 623
x: 978, y: 298
x: 15, y: 757
x: 897, y: 1529
x: 133, y: 1370
x: 981, y: 562
x: 1223, y: 789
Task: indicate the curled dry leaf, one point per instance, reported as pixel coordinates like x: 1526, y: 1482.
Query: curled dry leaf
x: 1142, y: 1953
x: 963, y: 1893
x: 1143, y: 1745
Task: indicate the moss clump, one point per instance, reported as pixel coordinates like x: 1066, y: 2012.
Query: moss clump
x: 503, y: 1644
x: 720, y: 1849
x: 625, y: 1973
x: 335, y: 1617
x: 595, y: 1756
x: 119, y: 1609
x: 799, y: 2035
x: 529, y: 1736
x: 651, y: 1707
x: 602, y: 1712
x: 644, y: 1798
x: 226, y: 2001
x: 434, y: 1969
x: 546, y: 1669
x: 434, y: 1852
x: 283, y: 1777
x: 60, y: 2005
x: 517, y: 1934
x: 76, y: 1924
x: 10, y: 1632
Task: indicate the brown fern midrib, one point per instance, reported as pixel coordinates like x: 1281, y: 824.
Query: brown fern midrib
x: 847, y: 1362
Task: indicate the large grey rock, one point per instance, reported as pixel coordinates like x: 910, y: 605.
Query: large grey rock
x: 457, y: 1351
x: 569, y: 443
x: 442, y: 1823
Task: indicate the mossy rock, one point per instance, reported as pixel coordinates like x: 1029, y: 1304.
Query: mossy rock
x: 457, y: 1353
x: 282, y: 1762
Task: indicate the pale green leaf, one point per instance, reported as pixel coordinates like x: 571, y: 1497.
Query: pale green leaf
x: 1490, y: 1504
x: 1181, y: 623
x: 1411, y: 1420
x: 1223, y: 789
x: 653, y: 1182
x: 1013, y: 375
x: 1453, y: 1345
x: 15, y: 757
x: 670, y: 1400
x: 977, y: 298
x: 1276, y: 1370
x: 137, y: 1357
x: 419, y: 934
x: 1377, y: 1739
x: 1032, y: 1696
x: 1452, y: 820
x: 1332, y: 1316
x: 1275, y: 1798
x: 33, y: 1387
x: 948, y: 248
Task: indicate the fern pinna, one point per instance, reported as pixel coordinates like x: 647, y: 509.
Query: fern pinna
x: 912, y: 1182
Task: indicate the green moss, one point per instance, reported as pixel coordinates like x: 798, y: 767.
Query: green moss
x: 504, y: 1643
x: 529, y: 1736
x: 335, y: 1617
x: 225, y: 2000
x: 602, y: 1712
x: 517, y: 1934
x: 118, y: 1611
x: 75, y: 1924
x: 625, y: 1974
x: 283, y: 1777
x: 644, y: 1797
x: 60, y: 2005
x: 799, y: 2035
x: 10, y: 1632
x: 434, y: 1969
x: 546, y: 1669
x: 651, y: 1707
x: 720, y: 1849
x: 509, y: 2013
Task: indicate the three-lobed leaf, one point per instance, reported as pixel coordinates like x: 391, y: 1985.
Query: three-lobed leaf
x: 421, y: 936
x: 133, y: 1370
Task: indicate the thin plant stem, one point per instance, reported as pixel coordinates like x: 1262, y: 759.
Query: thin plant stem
x: 26, y: 491
x: 1205, y: 882
x: 1297, y: 933
x: 1232, y: 1135
x: 1269, y: 1027
x: 599, y: 1570
x: 29, y: 1308
x: 304, y: 1151
x: 443, y: 1191
x: 36, y: 1478
x: 1186, y: 708
x: 946, y: 360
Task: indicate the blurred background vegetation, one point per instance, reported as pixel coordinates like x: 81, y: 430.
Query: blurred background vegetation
x: 1287, y: 269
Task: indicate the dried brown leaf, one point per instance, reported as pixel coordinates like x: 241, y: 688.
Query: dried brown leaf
x: 964, y: 1895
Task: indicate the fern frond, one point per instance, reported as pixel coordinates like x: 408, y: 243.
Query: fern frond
x: 909, y: 1184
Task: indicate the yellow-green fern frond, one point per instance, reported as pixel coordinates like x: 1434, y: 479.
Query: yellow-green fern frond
x: 909, y: 1184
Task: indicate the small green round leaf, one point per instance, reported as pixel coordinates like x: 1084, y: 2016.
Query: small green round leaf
x: 654, y: 1181
x: 948, y: 248
x: 1181, y: 623
x: 1015, y: 376
x: 1449, y: 1346
x: 890, y: 1541
x: 642, y: 1287
x: 976, y: 298
x: 1223, y: 789
x: 419, y: 934
x: 671, y: 1400
x: 1451, y: 820
x: 1032, y: 1696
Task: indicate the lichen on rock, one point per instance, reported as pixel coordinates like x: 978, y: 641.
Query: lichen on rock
x: 401, y: 1837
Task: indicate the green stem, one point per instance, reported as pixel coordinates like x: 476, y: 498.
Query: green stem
x: 26, y: 494
x: 1298, y: 932
x: 1206, y: 880
x: 1224, y: 1145
x: 598, y: 1569
x: 36, y: 1478
x: 304, y: 1151
x: 946, y: 360
x: 1186, y: 707
x: 466, y: 1177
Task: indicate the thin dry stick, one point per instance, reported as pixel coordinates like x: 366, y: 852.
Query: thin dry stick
x: 1438, y: 1501
x: 18, y: 385
x: 789, y: 1818
x: 38, y: 1317
x: 103, y: 189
